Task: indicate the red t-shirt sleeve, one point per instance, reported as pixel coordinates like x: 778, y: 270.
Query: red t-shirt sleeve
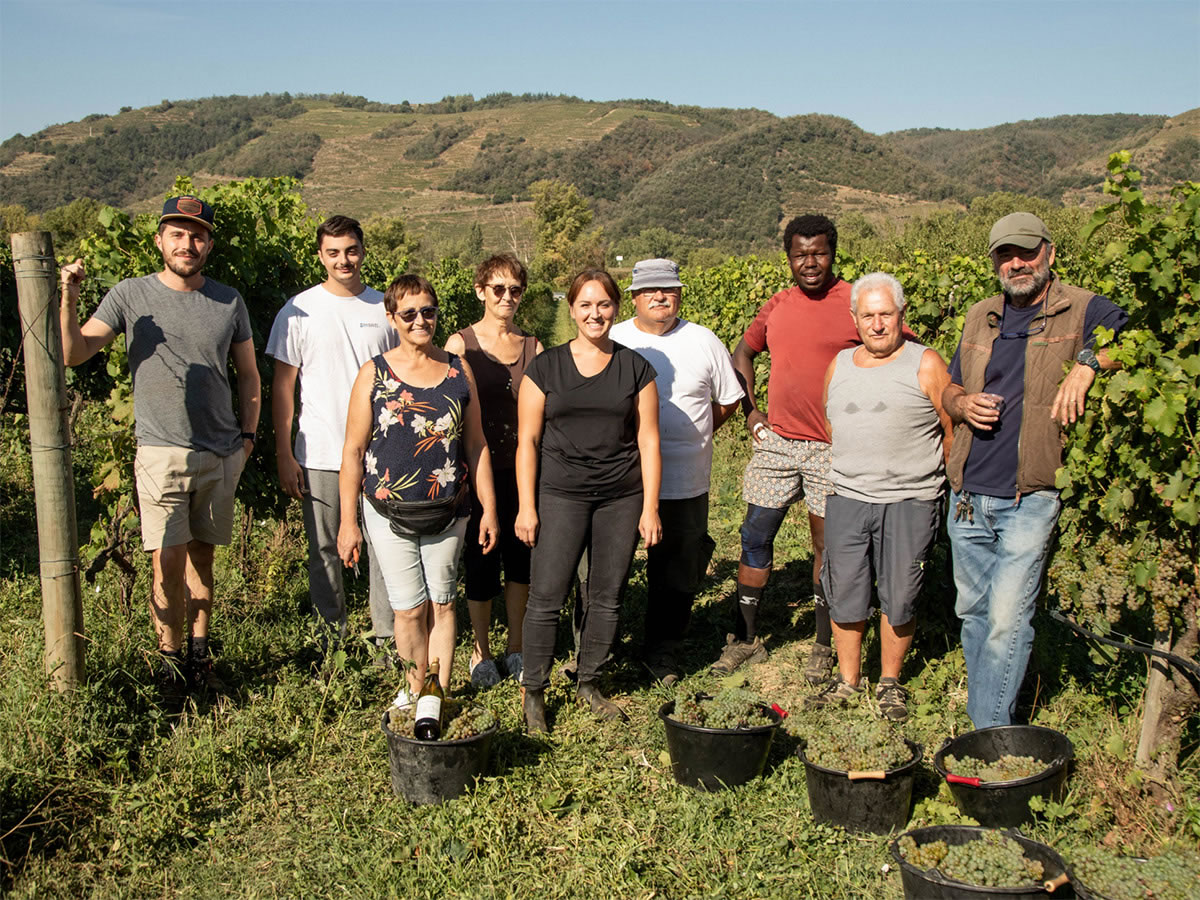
x: 756, y: 335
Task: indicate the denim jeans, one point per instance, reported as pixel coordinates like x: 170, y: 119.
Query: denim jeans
x: 999, y: 560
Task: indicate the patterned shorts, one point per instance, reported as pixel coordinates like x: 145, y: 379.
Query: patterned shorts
x: 781, y: 471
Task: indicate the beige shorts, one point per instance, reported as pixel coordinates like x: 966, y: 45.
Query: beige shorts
x: 186, y: 495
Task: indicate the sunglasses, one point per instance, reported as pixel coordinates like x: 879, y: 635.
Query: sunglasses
x: 513, y: 290
x: 408, y: 316
x: 1037, y: 326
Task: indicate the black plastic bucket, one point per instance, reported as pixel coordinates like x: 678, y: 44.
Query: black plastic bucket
x: 878, y: 802
x: 433, y: 771
x: 1005, y: 804
x: 715, y: 758
x: 929, y: 884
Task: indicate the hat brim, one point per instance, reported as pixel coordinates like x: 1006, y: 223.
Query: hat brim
x: 1024, y: 241
x: 657, y: 283
x: 196, y: 219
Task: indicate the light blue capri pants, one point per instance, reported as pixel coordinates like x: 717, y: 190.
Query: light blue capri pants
x: 416, y: 568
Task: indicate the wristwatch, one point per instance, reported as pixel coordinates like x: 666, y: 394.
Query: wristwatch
x: 249, y: 436
x: 1087, y: 357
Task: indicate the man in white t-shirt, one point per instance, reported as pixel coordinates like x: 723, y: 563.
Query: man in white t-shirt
x: 697, y: 391
x: 320, y: 339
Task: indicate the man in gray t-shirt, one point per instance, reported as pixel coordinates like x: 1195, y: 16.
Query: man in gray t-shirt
x: 180, y: 330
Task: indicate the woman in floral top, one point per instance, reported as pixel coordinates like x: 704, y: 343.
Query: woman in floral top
x: 413, y: 438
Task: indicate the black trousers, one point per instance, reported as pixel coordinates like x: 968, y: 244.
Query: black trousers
x: 675, y: 570
x: 607, y: 530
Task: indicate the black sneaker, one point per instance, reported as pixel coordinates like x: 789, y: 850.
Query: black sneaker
x: 202, y: 676
x: 171, y: 677
x: 661, y: 664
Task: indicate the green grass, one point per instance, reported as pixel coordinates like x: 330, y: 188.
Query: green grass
x: 282, y: 788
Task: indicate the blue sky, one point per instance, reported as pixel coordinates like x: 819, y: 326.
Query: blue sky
x: 884, y: 65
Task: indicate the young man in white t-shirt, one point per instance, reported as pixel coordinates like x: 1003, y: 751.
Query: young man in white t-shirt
x: 698, y: 389
x: 320, y: 339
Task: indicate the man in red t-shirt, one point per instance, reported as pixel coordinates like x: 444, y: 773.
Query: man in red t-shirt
x: 803, y: 328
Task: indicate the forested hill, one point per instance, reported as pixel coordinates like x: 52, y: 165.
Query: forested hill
x: 721, y: 177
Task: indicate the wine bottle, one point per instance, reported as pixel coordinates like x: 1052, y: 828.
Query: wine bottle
x: 428, y: 726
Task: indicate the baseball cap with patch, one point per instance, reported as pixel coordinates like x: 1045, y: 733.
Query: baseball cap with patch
x: 188, y: 207
x: 655, y: 273
x: 1020, y: 229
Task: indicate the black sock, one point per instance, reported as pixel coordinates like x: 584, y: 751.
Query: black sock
x: 198, y: 647
x: 173, y: 658
x: 747, y: 612
x: 821, y: 610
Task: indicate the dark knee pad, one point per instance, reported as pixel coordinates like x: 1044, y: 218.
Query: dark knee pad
x: 758, y: 535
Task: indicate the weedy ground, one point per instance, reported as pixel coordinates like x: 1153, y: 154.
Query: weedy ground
x: 280, y: 786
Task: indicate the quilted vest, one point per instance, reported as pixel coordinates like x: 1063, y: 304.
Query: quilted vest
x: 1039, y: 449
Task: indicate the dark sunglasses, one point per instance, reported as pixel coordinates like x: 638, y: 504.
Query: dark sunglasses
x: 408, y: 316
x: 513, y: 290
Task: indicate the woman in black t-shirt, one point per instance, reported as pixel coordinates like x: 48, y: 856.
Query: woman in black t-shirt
x: 588, y: 474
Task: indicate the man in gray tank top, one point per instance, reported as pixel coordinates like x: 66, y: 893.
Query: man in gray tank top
x: 883, y: 404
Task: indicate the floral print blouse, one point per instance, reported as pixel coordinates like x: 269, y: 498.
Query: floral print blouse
x: 416, y: 449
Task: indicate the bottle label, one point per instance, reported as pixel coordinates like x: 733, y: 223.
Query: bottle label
x: 429, y: 707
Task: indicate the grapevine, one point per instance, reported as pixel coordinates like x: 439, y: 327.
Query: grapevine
x: 732, y: 708
x: 1006, y: 768
x: 991, y: 860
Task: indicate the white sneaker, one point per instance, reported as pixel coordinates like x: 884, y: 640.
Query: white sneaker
x: 404, y: 699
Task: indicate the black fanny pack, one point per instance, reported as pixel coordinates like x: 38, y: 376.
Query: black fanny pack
x: 419, y: 518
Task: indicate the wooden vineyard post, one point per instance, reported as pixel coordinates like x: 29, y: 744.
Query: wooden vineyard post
x: 50, y: 446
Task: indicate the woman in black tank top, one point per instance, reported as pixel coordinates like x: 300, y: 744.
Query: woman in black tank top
x: 498, y: 352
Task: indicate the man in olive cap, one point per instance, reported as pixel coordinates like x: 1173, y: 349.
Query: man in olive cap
x: 1010, y: 402
x: 180, y: 329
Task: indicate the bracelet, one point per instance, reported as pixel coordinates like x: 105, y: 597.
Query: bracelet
x: 249, y: 436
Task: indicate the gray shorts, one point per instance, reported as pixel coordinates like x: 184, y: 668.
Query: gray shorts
x: 781, y: 471
x: 882, y: 543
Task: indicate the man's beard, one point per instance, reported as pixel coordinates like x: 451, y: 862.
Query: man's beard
x: 1027, y: 290
x: 185, y: 267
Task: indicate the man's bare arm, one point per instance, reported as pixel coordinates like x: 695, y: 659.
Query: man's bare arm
x: 934, y: 378
x: 283, y: 411
x: 743, y: 364
x: 249, y: 388
x: 722, y: 411
x: 980, y: 411
x: 1072, y: 393
x: 79, y: 344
